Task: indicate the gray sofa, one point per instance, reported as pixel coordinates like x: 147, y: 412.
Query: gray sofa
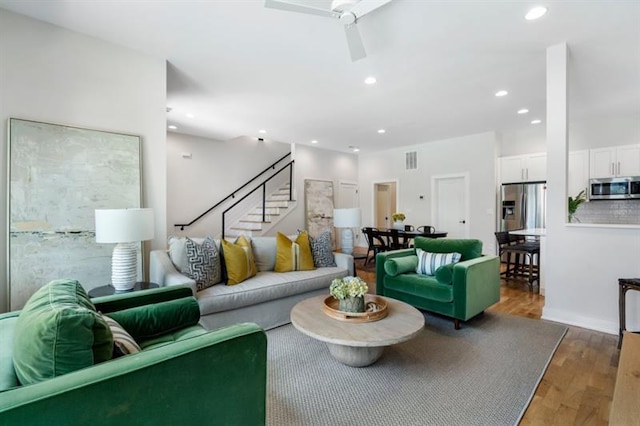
x: 265, y: 299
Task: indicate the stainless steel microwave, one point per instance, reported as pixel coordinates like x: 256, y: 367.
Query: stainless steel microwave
x: 618, y: 188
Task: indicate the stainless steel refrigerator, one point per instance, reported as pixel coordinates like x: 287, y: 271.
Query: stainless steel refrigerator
x: 524, y: 206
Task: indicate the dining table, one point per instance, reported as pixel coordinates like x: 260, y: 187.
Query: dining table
x: 404, y: 237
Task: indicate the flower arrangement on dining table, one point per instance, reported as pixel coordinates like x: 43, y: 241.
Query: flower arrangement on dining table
x: 398, y: 217
x: 350, y: 293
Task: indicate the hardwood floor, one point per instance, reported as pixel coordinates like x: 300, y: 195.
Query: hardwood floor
x: 577, y: 387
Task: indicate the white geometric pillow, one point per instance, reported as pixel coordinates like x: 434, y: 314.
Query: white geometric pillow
x: 322, y: 250
x: 203, y: 263
x: 428, y: 262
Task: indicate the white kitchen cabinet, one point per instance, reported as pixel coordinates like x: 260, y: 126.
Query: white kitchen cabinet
x: 523, y: 168
x: 578, y: 172
x: 615, y: 161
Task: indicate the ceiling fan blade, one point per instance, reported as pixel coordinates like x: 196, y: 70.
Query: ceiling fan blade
x: 356, y: 48
x: 365, y: 6
x: 292, y: 7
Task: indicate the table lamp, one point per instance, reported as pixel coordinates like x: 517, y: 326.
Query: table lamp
x: 126, y: 228
x: 346, y: 219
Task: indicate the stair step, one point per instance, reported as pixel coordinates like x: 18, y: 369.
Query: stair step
x: 247, y: 227
x: 279, y: 197
x: 279, y: 204
x: 268, y: 211
x: 253, y: 221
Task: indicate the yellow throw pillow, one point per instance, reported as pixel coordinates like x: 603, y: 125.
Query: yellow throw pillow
x: 238, y: 259
x: 293, y: 256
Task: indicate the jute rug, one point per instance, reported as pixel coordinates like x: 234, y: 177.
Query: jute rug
x: 484, y: 374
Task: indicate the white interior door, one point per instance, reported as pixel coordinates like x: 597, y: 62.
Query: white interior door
x: 450, y: 205
x: 384, y: 203
x: 348, y: 197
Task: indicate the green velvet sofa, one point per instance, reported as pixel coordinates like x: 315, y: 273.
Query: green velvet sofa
x: 460, y: 291
x: 184, y: 375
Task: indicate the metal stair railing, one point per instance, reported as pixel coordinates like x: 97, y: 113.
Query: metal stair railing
x: 263, y: 185
x: 240, y: 188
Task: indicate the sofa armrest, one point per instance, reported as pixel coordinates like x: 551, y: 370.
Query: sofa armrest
x: 118, y: 302
x: 381, y: 258
x: 476, y: 285
x: 226, y: 368
x: 164, y: 273
x: 345, y: 261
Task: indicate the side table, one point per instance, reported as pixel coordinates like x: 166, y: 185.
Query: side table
x: 108, y: 290
x: 625, y: 284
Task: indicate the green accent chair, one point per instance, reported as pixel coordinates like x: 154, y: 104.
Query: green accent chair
x: 460, y: 291
x: 184, y: 374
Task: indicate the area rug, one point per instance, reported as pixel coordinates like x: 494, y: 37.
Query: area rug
x: 484, y: 374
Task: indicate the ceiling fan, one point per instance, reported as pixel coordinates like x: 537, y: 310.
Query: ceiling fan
x: 347, y: 11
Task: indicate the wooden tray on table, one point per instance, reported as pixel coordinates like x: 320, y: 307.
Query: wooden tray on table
x: 330, y: 307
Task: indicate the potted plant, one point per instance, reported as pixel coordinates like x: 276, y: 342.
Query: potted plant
x: 398, y: 218
x: 574, y: 203
x: 350, y: 293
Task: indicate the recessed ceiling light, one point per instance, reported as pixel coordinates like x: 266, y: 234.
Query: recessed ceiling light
x: 535, y: 13
x: 190, y: 115
x: 172, y: 127
x: 523, y: 111
x: 536, y: 121
x: 501, y: 93
x: 370, y: 80
x: 263, y: 131
x: 356, y: 149
x: 314, y: 141
x: 381, y: 131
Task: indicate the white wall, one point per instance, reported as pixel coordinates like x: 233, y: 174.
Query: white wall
x: 214, y: 170
x: 321, y: 164
x: 473, y: 154
x: 583, y: 263
x: 59, y: 76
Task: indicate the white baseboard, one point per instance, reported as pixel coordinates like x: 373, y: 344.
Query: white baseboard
x: 569, y: 318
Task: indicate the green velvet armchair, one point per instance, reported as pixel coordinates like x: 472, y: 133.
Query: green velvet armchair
x: 184, y: 375
x: 460, y: 291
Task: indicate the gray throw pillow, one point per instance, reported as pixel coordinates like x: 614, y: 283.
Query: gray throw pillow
x: 203, y: 263
x: 322, y: 250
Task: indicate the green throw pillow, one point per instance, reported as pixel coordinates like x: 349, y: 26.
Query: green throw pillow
x: 400, y: 265
x: 444, y: 274
x: 143, y: 322
x: 59, y: 331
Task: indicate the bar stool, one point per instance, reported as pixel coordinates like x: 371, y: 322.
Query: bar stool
x: 625, y: 284
x: 529, y: 268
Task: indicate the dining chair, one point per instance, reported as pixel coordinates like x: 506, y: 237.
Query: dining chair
x: 408, y: 228
x: 397, y: 240
x: 376, y: 243
x: 426, y: 229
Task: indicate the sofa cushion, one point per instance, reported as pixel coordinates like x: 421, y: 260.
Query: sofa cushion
x: 293, y: 255
x: 146, y: 321
x: 239, y: 260
x: 59, y: 331
x: 264, y: 252
x: 422, y: 286
x: 400, y: 265
x: 265, y: 286
x: 468, y: 248
x: 429, y: 262
x: 322, y: 250
x: 203, y: 263
x: 174, y: 336
x: 123, y: 342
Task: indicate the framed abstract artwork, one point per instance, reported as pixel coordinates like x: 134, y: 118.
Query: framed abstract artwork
x: 58, y: 176
x: 318, y: 203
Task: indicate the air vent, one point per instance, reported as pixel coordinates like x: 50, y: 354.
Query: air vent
x: 411, y: 160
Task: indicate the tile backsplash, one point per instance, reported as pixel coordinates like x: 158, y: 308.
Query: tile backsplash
x: 610, y: 211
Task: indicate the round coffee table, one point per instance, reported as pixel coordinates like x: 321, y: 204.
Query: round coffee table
x: 357, y: 344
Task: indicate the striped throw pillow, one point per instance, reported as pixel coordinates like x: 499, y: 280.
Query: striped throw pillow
x: 428, y: 262
x: 121, y: 339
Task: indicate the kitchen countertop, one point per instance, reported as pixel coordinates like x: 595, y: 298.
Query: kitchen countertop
x: 531, y: 232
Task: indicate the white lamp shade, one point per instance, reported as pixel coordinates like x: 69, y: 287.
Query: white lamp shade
x: 124, y: 225
x: 346, y: 218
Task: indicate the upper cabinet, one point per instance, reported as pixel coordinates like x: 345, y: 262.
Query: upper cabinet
x: 615, y: 161
x: 578, y: 173
x: 523, y: 168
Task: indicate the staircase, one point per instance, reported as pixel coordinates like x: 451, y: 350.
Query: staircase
x: 277, y: 206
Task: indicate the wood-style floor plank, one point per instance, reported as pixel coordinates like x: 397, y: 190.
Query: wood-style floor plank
x: 577, y: 387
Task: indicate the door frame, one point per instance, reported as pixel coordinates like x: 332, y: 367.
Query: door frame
x: 467, y: 204
x: 373, y: 195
